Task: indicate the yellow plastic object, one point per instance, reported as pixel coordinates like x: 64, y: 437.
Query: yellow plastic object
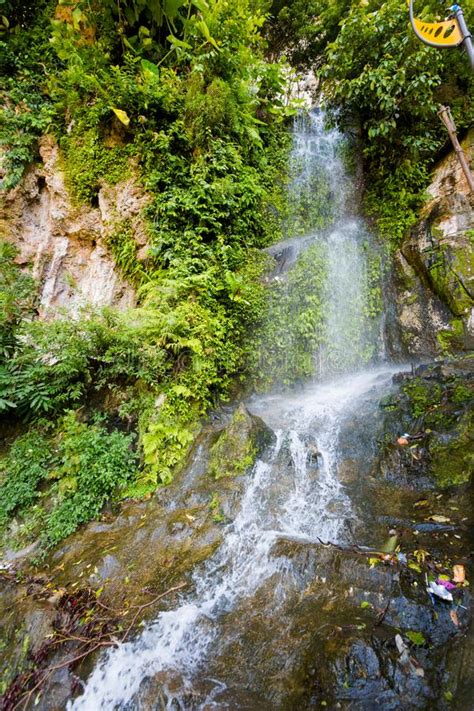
x: 437, y: 34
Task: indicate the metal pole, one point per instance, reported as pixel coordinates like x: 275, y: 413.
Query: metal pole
x: 467, y: 41
x: 445, y: 115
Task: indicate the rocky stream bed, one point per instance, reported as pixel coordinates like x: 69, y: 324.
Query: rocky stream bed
x: 346, y: 624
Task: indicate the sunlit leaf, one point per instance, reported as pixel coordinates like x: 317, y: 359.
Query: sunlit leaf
x: 122, y: 116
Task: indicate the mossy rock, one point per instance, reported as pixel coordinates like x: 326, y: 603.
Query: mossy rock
x: 453, y: 461
x: 435, y: 404
x: 239, y: 444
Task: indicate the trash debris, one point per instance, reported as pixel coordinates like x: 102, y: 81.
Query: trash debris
x: 446, y: 584
x: 402, y: 441
x: 454, y: 617
x: 437, y: 518
x: 439, y: 591
x: 401, y: 646
x: 403, y: 651
x: 459, y: 574
x: 401, y: 557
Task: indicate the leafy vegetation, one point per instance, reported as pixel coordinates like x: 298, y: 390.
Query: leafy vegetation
x: 188, y: 98
x: 381, y: 83
x: 181, y: 96
x: 63, y: 478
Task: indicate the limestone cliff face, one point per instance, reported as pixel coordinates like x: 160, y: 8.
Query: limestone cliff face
x: 433, y: 303
x: 66, y: 245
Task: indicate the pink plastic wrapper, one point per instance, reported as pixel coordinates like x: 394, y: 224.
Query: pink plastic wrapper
x: 446, y: 584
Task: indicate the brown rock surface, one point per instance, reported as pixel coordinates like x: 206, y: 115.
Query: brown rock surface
x: 435, y: 265
x: 66, y: 244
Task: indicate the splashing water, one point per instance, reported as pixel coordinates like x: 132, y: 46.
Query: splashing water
x: 294, y: 490
x: 273, y: 506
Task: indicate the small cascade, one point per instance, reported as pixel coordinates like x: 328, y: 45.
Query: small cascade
x: 287, y: 496
x: 294, y: 492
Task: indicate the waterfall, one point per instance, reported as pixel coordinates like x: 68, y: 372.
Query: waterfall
x: 325, y: 314
x: 293, y: 491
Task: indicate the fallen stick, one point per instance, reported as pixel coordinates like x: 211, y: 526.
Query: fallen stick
x: 148, y: 604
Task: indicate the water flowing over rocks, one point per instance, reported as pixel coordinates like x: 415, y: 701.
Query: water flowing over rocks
x: 300, y: 533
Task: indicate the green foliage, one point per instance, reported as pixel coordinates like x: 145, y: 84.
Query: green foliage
x: 180, y: 94
x: 303, y: 28
x: 381, y: 83
x: 380, y: 77
x: 373, y: 297
x: 294, y: 327
x: 56, y: 365
x: 26, y: 465
x: 89, y: 162
x: 17, y: 298
x: 26, y: 111
x: 93, y: 464
x: 63, y: 478
x: 124, y: 251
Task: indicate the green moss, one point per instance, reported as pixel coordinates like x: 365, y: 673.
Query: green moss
x: 215, y: 508
x: 453, y: 462
x: 90, y: 163
x: 440, y: 404
x: 451, y: 339
x: 451, y: 273
x: 236, y: 449
x: 424, y: 398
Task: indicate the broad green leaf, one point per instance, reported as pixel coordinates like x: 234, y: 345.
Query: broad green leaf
x: 149, y: 69
x: 177, y: 42
x: 77, y: 16
x: 172, y: 7
x: 204, y: 30
x: 200, y: 5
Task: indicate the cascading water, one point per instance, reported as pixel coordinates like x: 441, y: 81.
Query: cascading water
x: 293, y: 492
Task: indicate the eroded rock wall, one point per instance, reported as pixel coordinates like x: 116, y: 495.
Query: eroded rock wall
x: 433, y: 284
x: 66, y: 245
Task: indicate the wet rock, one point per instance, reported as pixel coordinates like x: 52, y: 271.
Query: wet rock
x: 25, y: 624
x: 239, y: 444
x: 323, y: 630
x: 434, y: 406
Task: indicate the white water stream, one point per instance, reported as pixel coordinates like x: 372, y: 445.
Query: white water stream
x: 294, y: 491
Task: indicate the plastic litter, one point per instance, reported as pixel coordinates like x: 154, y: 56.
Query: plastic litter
x: 459, y: 574
x: 446, y: 584
x: 439, y: 591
